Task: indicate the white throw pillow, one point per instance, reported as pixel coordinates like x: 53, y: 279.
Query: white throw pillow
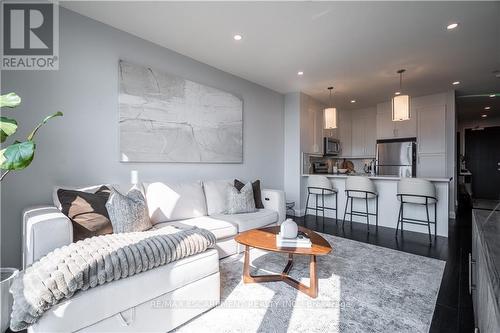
x: 172, y: 202
x: 216, y: 195
x: 240, y: 201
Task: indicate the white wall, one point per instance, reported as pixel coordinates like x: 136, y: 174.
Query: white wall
x: 303, y: 134
x: 292, y: 164
x: 82, y: 147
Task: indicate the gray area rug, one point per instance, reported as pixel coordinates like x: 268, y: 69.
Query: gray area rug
x: 362, y: 288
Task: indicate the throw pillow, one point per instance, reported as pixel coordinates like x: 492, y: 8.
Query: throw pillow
x: 240, y: 201
x: 87, y: 212
x: 257, y: 194
x: 128, y: 213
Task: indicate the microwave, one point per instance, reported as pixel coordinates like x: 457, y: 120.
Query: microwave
x: 331, y: 147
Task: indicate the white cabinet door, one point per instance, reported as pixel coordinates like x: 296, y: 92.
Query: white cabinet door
x: 344, y: 132
x: 388, y: 129
x: 406, y: 128
x: 370, y: 119
x: 358, y: 135
x: 431, y: 134
x: 431, y: 165
x: 364, y: 133
x: 385, y: 125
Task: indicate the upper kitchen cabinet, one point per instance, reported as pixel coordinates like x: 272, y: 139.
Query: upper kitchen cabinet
x: 388, y: 129
x: 363, y: 136
x: 342, y: 132
x: 432, y: 129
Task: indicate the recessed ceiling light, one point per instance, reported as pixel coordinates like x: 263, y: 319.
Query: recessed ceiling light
x: 487, y: 107
x: 492, y: 95
x: 484, y: 116
x: 397, y: 93
x: 452, y: 26
x: 456, y: 83
x: 237, y: 37
x: 300, y: 73
x: 353, y: 101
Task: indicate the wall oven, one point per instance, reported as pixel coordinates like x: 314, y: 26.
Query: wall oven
x: 331, y: 147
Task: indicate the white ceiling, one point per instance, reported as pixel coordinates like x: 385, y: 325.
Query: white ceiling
x: 355, y: 46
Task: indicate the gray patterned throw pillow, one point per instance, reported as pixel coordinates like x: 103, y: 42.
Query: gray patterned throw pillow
x: 128, y: 213
x: 240, y: 201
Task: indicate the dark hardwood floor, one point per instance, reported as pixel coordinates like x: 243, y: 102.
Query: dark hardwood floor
x: 453, y: 312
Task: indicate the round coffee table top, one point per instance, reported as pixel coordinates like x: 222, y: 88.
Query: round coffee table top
x: 265, y: 239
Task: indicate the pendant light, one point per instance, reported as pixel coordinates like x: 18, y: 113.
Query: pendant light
x: 401, y: 102
x: 330, y: 114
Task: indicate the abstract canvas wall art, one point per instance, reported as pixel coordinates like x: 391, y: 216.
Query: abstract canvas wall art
x: 165, y: 118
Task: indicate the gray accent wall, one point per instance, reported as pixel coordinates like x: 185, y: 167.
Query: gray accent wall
x: 81, y: 148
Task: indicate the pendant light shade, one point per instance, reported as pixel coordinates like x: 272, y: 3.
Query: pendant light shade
x: 400, y: 103
x: 330, y: 114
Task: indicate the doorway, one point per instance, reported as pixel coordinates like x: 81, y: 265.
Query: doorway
x: 482, y: 155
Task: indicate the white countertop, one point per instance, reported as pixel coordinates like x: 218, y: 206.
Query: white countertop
x: 378, y: 177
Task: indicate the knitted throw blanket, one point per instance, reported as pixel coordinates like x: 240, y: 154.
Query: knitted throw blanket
x: 94, y: 261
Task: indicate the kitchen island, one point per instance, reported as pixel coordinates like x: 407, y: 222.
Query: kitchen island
x: 388, y: 204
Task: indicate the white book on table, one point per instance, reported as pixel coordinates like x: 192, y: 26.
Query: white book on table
x: 293, y: 242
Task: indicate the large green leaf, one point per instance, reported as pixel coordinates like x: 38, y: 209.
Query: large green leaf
x: 7, y: 127
x: 10, y: 100
x: 32, y: 134
x: 17, y: 156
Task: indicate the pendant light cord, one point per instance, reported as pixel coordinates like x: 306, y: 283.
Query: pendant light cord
x: 330, y: 98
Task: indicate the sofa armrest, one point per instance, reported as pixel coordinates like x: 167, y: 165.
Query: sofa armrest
x: 275, y: 200
x: 45, y: 229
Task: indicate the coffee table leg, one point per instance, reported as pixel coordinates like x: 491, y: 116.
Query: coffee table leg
x: 313, y: 285
x: 311, y: 290
x: 249, y: 278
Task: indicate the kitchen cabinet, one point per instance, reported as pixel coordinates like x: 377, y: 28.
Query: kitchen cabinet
x: 342, y: 132
x: 363, y: 136
x: 431, y: 165
x: 388, y: 129
x: 431, y: 141
x: 432, y: 130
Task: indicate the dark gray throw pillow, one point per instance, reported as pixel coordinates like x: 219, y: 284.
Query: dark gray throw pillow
x: 87, y: 212
x: 257, y: 195
x: 128, y: 213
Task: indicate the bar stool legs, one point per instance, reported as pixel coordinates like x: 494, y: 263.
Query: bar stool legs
x: 428, y: 221
x: 365, y: 214
x: 321, y: 208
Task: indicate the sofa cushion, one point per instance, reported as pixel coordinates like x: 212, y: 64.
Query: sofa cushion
x: 95, y: 304
x: 216, y: 195
x: 221, y: 229
x: 171, y: 202
x: 247, y: 221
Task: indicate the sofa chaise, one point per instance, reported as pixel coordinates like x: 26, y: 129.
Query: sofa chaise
x: 163, y: 298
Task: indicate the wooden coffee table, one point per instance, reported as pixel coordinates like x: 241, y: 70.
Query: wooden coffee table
x: 265, y: 239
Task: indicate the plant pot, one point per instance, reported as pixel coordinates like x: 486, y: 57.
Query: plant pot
x: 8, y: 275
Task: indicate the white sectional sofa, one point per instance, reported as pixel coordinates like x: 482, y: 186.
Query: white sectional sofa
x: 163, y: 298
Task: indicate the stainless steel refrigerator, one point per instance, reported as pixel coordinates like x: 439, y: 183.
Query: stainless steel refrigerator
x: 397, y: 157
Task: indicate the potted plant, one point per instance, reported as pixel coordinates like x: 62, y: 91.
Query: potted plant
x: 15, y: 156
x: 7, y: 275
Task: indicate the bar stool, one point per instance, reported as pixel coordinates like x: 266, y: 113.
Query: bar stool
x: 321, y: 186
x: 416, y: 191
x: 357, y: 187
